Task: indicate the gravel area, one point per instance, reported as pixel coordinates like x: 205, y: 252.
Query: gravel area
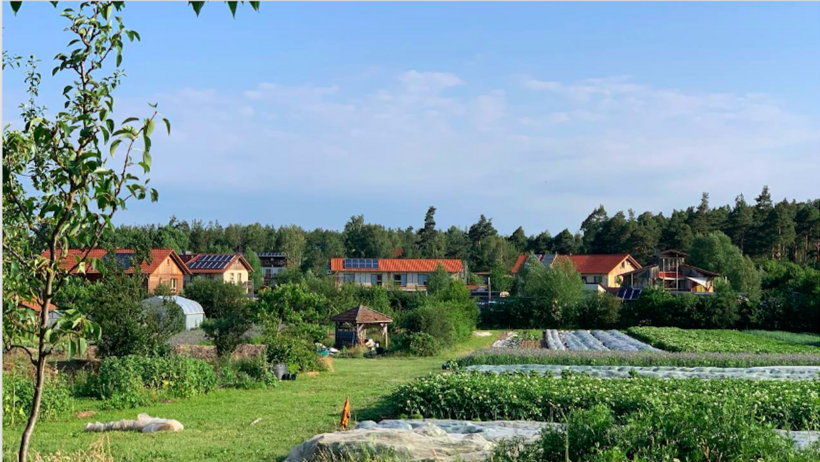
x: 665, y: 372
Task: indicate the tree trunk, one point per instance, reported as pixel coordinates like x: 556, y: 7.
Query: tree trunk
x: 40, y: 363
x: 35, y: 406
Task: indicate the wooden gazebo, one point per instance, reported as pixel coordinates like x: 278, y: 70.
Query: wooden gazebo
x: 352, y: 325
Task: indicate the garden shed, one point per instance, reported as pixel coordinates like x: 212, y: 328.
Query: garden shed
x: 193, y: 312
x: 352, y: 325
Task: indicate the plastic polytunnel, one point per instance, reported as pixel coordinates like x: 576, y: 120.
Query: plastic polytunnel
x: 193, y: 312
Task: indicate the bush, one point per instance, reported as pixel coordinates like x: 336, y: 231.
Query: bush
x: 298, y: 354
x: 18, y: 393
x: 125, y: 382
x: 422, y: 344
x: 597, y: 311
x: 128, y: 328
x: 248, y: 373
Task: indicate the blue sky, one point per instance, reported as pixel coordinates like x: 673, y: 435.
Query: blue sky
x: 531, y: 113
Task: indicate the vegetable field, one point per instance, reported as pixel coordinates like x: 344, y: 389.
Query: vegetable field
x: 708, y: 340
x: 476, y: 396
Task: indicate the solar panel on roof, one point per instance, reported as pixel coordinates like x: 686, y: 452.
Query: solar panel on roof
x: 357, y: 263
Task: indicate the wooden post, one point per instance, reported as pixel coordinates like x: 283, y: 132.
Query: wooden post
x: 384, y: 334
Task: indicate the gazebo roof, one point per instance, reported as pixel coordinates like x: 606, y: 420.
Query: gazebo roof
x: 361, y: 315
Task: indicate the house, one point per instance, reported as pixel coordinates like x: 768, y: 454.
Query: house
x: 191, y: 310
x: 228, y: 267
x: 53, y: 313
x: 672, y: 273
x: 165, y: 267
x: 405, y: 273
x: 598, y: 271
x: 273, y: 263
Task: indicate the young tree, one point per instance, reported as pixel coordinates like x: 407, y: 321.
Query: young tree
x: 256, y: 276
x: 590, y: 227
x: 226, y: 311
x: 60, y: 187
x: 438, y: 281
x: 740, y: 222
x: 555, y: 289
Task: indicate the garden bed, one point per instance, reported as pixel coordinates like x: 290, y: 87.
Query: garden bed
x: 662, y: 372
x: 632, y: 358
x: 713, y: 340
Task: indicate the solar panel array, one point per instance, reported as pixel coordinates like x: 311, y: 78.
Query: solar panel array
x: 124, y: 260
x: 372, y: 263
x: 271, y: 254
x: 211, y: 261
x: 628, y: 293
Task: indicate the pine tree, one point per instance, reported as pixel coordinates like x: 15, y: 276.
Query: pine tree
x: 741, y: 220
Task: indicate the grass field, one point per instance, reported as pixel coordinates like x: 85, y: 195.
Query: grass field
x: 217, y: 425
x: 720, y: 341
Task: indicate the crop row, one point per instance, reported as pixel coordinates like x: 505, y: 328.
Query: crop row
x: 477, y: 396
x: 597, y: 340
x: 708, y: 340
x: 634, y: 358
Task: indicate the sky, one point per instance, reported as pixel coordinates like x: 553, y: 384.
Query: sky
x: 530, y: 113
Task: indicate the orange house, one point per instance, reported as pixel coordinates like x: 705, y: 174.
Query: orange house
x: 599, y: 271
x: 165, y: 267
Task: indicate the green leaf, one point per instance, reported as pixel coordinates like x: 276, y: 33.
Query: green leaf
x: 110, y: 124
x: 107, y: 11
x: 154, y: 195
x: 54, y: 4
x: 167, y: 125
x: 232, y: 6
x: 103, y: 114
x: 254, y: 5
x: 149, y: 127
x: 197, y: 6
x: 114, y: 146
x: 119, y: 56
x: 130, y: 119
x: 146, y: 161
x: 153, y: 105
x: 147, y: 142
x: 15, y: 6
x: 67, y: 89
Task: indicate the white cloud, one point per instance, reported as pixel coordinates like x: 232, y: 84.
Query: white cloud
x: 542, y: 153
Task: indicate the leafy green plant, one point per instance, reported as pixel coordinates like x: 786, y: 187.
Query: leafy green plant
x: 18, y: 394
x: 422, y: 344
x: 786, y: 404
x: 708, y: 340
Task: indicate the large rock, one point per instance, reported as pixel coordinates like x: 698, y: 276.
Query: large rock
x: 427, y: 444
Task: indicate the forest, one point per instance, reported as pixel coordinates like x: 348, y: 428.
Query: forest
x: 784, y: 231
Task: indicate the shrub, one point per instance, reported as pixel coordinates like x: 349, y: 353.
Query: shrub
x: 18, y: 393
x: 422, y: 344
x: 226, y: 311
x: 597, y: 311
x: 247, y: 373
x: 127, y: 327
x: 298, y: 354
x: 125, y: 382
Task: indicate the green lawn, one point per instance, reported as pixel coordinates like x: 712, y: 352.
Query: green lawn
x: 217, y: 425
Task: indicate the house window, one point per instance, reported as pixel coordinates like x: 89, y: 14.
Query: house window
x: 597, y: 279
x: 233, y: 277
x: 268, y: 273
x: 173, y: 285
x: 240, y: 277
x: 400, y: 279
x: 350, y: 278
x: 375, y: 279
x: 423, y: 279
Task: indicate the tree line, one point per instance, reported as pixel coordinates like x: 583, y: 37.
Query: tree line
x: 785, y: 231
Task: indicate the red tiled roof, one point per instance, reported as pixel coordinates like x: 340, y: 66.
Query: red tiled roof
x: 228, y: 263
x: 401, y: 265
x: 35, y: 306
x: 587, y: 264
x: 157, y: 257
x: 361, y: 315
